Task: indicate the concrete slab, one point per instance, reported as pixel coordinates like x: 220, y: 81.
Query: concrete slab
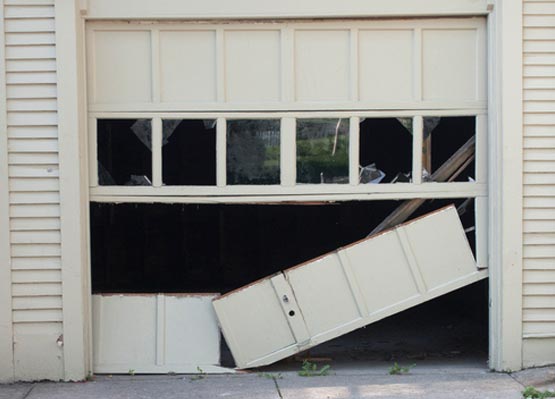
x: 428, y: 380
x: 543, y: 377
x: 182, y: 387
x: 483, y: 385
x: 14, y: 391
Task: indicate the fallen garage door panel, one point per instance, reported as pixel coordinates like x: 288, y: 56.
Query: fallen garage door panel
x: 155, y: 333
x: 339, y: 292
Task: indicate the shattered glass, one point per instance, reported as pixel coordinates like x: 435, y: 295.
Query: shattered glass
x: 443, y: 137
x: 323, y: 151
x: 253, y: 151
x: 385, y: 145
x: 189, y: 152
x: 124, y: 152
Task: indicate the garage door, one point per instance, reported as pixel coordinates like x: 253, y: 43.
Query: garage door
x: 280, y: 111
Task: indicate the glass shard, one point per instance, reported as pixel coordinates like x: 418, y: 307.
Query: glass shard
x: 442, y: 137
x: 386, y: 143
x: 124, y: 152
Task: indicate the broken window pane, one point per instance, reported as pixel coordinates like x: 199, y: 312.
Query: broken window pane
x: 253, y: 151
x: 442, y: 138
x: 124, y: 152
x: 385, y: 150
x: 189, y: 152
x: 322, y: 150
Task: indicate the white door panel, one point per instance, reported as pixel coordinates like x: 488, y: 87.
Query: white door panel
x: 344, y: 290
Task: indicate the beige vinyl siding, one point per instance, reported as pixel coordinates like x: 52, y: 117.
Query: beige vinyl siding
x: 539, y: 182
x: 33, y: 188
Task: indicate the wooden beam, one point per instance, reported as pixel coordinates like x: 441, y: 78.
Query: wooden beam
x: 446, y: 172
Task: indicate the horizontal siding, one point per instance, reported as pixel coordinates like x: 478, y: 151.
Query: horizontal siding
x: 539, y: 168
x: 33, y: 171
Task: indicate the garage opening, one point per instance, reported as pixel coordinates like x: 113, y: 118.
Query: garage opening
x: 209, y: 248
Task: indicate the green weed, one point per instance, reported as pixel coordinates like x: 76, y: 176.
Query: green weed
x: 398, y: 370
x: 309, y: 369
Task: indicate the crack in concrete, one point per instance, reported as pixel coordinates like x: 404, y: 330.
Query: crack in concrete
x: 277, y: 387
x: 29, y: 392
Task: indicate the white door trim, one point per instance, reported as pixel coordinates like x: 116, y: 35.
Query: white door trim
x: 217, y: 9
x: 505, y: 181
x: 76, y: 293
x: 505, y: 171
x: 6, y: 324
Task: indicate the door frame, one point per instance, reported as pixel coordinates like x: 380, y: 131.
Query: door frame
x: 504, y: 168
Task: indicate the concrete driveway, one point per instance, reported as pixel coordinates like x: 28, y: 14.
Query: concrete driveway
x: 353, y: 381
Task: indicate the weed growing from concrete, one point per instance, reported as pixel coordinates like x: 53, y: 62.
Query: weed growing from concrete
x: 309, y: 369
x: 533, y: 393
x: 201, y: 374
x: 398, y: 370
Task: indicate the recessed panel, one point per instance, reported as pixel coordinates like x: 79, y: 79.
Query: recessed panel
x: 322, y: 67
x: 440, y: 248
x: 122, y: 67
x: 252, y: 65
x: 378, y: 265
x: 386, y: 65
x: 253, y: 322
x: 449, y: 64
x: 192, y: 333
x: 188, y: 66
x: 323, y: 294
x: 124, y: 329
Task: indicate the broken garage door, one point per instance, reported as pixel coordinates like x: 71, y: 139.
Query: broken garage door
x: 342, y: 291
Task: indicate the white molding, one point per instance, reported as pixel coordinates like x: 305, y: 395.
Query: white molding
x: 208, y: 9
x: 73, y: 197
x: 454, y: 189
x: 505, y: 184
x: 270, y: 199
x: 6, y: 324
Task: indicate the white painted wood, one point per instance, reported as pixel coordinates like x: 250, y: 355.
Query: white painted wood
x: 539, y: 162
x: 156, y: 152
x: 183, y: 80
x: 35, y: 346
x: 447, y: 53
x: 505, y: 62
x: 288, y: 152
x: 354, y: 149
x: 386, y: 61
x: 122, y: 67
x: 539, y: 350
x: 393, y: 271
x: 322, y: 71
x: 175, y: 9
x: 6, y: 322
x: 71, y: 58
x: 155, y: 333
x: 417, y: 153
x: 252, y: 65
x: 221, y: 150
x: 406, y: 189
